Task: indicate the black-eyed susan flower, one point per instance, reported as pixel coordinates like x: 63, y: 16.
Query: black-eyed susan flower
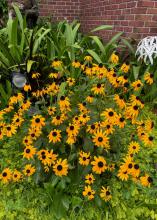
x: 25, y: 106
x: 119, y: 99
x: 90, y: 98
x: 88, y: 192
x: 111, y: 167
x: 91, y: 128
x: 35, y: 75
x: 121, y: 122
x: 16, y: 98
x: 71, y: 139
x: 99, y: 88
x: 99, y: 165
x: 51, y: 110
x: 53, y: 75
x: 10, y: 130
x: 148, y: 140
x: 108, y: 128
x: 89, y: 179
x: 84, y: 118
x: 16, y: 176
x: 125, y: 68
x: 64, y: 102
x: 110, y: 116
x: 56, y: 63
x: 38, y: 121
x: 34, y: 133
x: 17, y: 119
x: 72, y: 129
x: 58, y: 119
x: 114, y: 58
x: 88, y: 58
x: 76, y: 64
x: 29, y: 152
x: 27, y: 140
x: 101, y: 140
x: 105, y: 193
x: 137, y: 85
x: 134, y: 147
x: 148, y: 77
x: 70, y: 81
x: 29, y: 170
x: 6, y: 175
x: 132, y: 111
x: 27, y: 87
x: 84, y: 158
x: 135, y: 170
x: 123, y: 174
x: 55, y: 136
x: 146, y: 180
x: 60, y: 168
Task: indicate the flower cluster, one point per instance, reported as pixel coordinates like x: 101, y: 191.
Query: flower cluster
x: 82, y: 115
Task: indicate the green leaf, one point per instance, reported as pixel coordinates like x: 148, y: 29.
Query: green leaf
x: 99, y: 43
x: 95, y: 55
x: 126, y: 42
x: 66, y: 201
x: 102, y: 27
x: 29, y: 65
x: 61, y: 90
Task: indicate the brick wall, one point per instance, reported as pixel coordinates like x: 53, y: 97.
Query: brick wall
x: 136, y: 19
x: 60, y: 9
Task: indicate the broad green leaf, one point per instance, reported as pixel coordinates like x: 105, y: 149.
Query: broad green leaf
x: 102, y: 27
x: 95, y: 55
x: 126, y: 42
x: 99, y: 43
x: 29, y: 65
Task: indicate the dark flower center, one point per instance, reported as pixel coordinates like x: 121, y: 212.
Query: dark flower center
x: 89, y: 193
x: 32, y: 135
x: 4, y: 174
x: 27, y: 151
x: 130, y: 165
x: 108, y: 126
x: 62, y: 98
x: 43, y: 156
x: 37, y: 120
x: 17, y: 120
x: 135, y: 107
x: 84, y: 158
x: 93, y: 127
x: 8, y: 128
x: 84, y: 116
x: 58, y: 117
x: 114, y: 75
x: 151, y: 75
x: 107, y: 193
x: 151, y: 138
x: 72, y: 127
x: 125, y: 77
x: 90, y: 178
x: 54, y: 133
x: 100, y: 164
x: 28, y: 171
x: 136, y: 166
x: 111, y: 113
x: 100, y: 139
x: 98, y: 85
x: 84, y: 103
x: 15, y: 175
x: 150, y: 180
x: 138, y: 85
x: 121, y: 97
x: 59, y: 167
x: 134, y: 147
x: 137, y: 98
x: 122, y: 119
x: 100, y: 65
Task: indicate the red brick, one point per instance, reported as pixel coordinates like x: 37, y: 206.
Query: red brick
x: 145, y: 3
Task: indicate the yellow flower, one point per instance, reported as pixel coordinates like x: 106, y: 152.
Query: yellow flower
x: 10, y: 130
x: 57, y: 120
x: 101, y: 140
x: 76, y: 64
x: 60, y: 168
x: 27, y: 140
x: 29, y: 152
x: 17, y: 176
x: 84, y: 158
x: 51, y: 110
x: 137, y: 85
x: 53, y: 75
x: 90, y: 99
x: 56, y: 63
x: 134, y: 147
x: 55, y: 136
x: 73, y: 129
x: 38, y: 121
x: 148, y: 77
x: 123, y: 174
x: 88, y: 58
x: 114, y: 58
x: 98, y: 89
x: 99, y: 165
x: 6, y: 175
x: 88, y: 192
x: 146, y: 180
x: 71, y: 81
x: 89, y: 179
x: 27, y: 87
x: 105, y: 193
x: 29, y: 170
x: 35, y: 75
x: 125, y: 68
x: 110, y: 116
x: 120, y: 101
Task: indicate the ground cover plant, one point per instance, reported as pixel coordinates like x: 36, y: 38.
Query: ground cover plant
x: 78, y: 135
